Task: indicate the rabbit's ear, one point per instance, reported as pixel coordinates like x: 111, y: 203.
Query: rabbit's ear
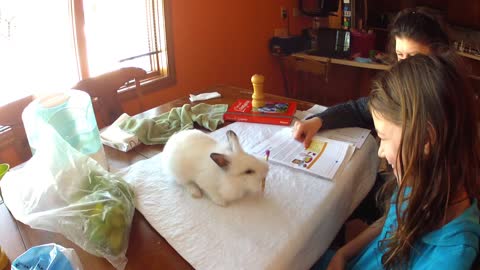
x: 221, y: 160
x: 233, y: 141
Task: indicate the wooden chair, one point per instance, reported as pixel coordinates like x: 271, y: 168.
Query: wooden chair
x: 14, y: 147
x: 103, y: 90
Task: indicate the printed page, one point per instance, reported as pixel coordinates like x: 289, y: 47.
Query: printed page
x: 355, y: 135
x: 315, y: 109
x: 324, y: 157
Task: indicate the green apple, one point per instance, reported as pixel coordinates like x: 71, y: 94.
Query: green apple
x: 116, y: 240
x: 116, y: 217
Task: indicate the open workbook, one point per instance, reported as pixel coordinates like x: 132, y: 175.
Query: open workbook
x: 324, y: 157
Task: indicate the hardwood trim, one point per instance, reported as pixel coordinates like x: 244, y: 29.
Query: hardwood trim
x: 471, y: 56
x: 149, y: 86
x: 345, y: 62
x: 79, y: 36
x: 171, y: 73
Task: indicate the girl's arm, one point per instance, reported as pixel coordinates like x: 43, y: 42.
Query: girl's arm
x: 354, y: 113
x: 357, y: 244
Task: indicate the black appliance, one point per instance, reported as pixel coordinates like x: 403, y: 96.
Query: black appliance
x: 287, y: 45
x: 332, y: 43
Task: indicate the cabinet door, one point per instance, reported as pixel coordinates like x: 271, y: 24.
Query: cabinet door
x: 466, y: 13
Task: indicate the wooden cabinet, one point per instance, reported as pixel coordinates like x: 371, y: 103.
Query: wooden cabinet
x: 465, y: 13
x: 327, y: 81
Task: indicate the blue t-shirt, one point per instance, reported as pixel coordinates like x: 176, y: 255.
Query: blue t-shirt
x: 453, y: 246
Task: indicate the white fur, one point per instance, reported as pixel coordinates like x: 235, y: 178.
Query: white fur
x: 187, y: 158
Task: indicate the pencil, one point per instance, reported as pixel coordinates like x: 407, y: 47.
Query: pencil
x: 267, y: 154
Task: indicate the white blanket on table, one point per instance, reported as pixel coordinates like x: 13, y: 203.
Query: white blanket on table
x: 288, y: 228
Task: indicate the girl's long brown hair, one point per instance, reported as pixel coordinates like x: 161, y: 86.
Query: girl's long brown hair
x: 431, y: 100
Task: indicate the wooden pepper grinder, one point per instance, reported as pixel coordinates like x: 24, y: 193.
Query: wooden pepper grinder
x: 257, y: 97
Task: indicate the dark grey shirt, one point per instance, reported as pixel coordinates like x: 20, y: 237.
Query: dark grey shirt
x: 353, y: 113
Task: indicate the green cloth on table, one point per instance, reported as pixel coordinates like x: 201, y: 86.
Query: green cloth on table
x: 158, y: 129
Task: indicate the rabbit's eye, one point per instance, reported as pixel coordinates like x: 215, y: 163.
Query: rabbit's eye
x: 249, y: 171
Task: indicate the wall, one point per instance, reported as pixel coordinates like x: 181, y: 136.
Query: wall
x: 224, y: 42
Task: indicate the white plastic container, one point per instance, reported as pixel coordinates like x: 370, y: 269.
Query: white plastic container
x: 71, y: 114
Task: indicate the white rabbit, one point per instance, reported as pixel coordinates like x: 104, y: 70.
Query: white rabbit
x: 224, y: 172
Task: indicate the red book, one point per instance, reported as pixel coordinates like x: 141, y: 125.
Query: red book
x: 273, y: 112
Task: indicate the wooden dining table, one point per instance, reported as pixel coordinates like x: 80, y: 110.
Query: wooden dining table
x: 147, y: 249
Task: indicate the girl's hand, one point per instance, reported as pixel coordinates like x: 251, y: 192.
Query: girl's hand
x: 338, y: 262
x: 303, y: 131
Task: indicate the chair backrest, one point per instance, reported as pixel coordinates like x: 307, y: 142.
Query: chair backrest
x: 14, y: 147
x: 103, y: 90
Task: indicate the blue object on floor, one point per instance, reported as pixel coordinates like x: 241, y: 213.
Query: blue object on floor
x: 42, y: 257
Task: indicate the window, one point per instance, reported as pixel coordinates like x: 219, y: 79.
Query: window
x: 51, y: 44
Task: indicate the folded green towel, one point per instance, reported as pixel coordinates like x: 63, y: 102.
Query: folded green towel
x: 158, y: 129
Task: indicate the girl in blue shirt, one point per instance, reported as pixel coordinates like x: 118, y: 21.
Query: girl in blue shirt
x: 424, y: 114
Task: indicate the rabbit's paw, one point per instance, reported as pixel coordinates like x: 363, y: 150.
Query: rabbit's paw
x: 219, y: 201
x: 194, y: 190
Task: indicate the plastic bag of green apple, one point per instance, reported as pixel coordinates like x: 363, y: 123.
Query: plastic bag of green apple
x: 62, y: 190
